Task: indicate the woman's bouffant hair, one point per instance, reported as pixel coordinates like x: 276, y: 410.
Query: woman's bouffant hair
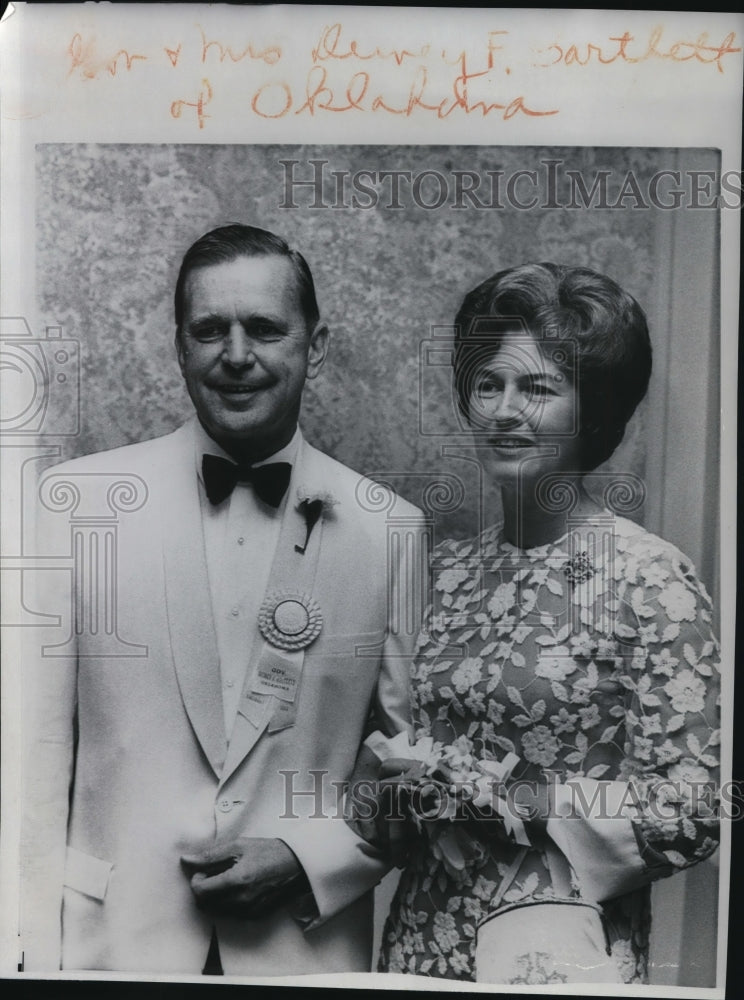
x: 609, y: 351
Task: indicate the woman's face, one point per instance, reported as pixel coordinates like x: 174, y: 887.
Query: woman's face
x: 525, y: 411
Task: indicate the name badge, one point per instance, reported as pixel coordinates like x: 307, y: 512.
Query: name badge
x: 284, y: 716
x: 278, y: 674
x: 253, y: 708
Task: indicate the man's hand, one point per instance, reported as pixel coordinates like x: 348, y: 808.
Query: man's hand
x: 248, y: 877
x: 398, y: 775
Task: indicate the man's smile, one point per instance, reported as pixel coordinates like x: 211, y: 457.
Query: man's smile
x: 239, y: 388
x: 510, y: 442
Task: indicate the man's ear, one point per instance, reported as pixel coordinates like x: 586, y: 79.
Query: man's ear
x: 179, y: 350
x: 316, y: 355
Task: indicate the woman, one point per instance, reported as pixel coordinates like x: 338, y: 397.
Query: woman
x: 569, y: 655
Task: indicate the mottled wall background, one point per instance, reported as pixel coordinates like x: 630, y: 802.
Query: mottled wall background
x: 113, y: 222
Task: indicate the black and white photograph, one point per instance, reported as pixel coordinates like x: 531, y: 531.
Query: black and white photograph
x: 368, y: 566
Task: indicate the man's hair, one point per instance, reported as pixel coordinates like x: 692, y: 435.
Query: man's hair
x: 609, y: 355
x: 228, y: 243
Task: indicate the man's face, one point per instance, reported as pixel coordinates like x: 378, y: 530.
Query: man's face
x: 245, y: 352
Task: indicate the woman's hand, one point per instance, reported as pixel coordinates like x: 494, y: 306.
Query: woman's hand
x: 520, y: 804
x: 378, y: 802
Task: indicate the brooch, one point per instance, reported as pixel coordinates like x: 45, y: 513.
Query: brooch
x: 579, y: 568
x: 289, y: 621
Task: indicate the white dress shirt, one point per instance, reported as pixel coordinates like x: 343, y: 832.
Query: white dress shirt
x: 240, y: 539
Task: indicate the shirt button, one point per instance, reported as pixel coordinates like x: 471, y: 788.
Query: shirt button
x: 241, y: 540
x: 224, y: 805
x: 229, y: 684
x: 235, y: 611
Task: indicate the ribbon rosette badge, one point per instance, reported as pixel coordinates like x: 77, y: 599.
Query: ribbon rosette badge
x: 290, y: 621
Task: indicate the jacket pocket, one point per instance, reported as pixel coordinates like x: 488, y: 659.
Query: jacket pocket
x: 356, y: 643
x: 87, y: 874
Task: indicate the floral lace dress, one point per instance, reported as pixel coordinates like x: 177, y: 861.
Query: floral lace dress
x: 593, y: 658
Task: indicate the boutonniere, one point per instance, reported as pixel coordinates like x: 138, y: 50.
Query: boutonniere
x: 313, y: 504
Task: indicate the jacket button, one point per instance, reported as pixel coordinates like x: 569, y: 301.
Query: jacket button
x: 224, y: 805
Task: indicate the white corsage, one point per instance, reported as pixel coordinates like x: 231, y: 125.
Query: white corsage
x: 448, y: 782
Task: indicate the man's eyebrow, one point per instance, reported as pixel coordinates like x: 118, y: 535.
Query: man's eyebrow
x: 252, y: 319
x: 265, y: 318
x: 535, y: 376
x: 210, y: 317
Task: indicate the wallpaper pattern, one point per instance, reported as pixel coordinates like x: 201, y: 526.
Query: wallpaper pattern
x: 113, y: 222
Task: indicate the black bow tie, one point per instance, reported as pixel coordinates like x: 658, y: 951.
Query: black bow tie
x: 269, y: 482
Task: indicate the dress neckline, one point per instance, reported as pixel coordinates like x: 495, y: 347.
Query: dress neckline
x: 545, y: 547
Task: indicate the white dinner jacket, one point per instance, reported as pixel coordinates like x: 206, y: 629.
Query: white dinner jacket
x: 129, y: 765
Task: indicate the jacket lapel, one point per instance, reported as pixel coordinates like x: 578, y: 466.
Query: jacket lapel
x: 188, y: 601
x: 291, y: 570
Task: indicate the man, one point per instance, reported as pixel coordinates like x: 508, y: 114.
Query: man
x: 188, y: 754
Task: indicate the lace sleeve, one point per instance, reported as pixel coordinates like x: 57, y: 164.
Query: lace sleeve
x: 671, y: 674
x: 659, y: 810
